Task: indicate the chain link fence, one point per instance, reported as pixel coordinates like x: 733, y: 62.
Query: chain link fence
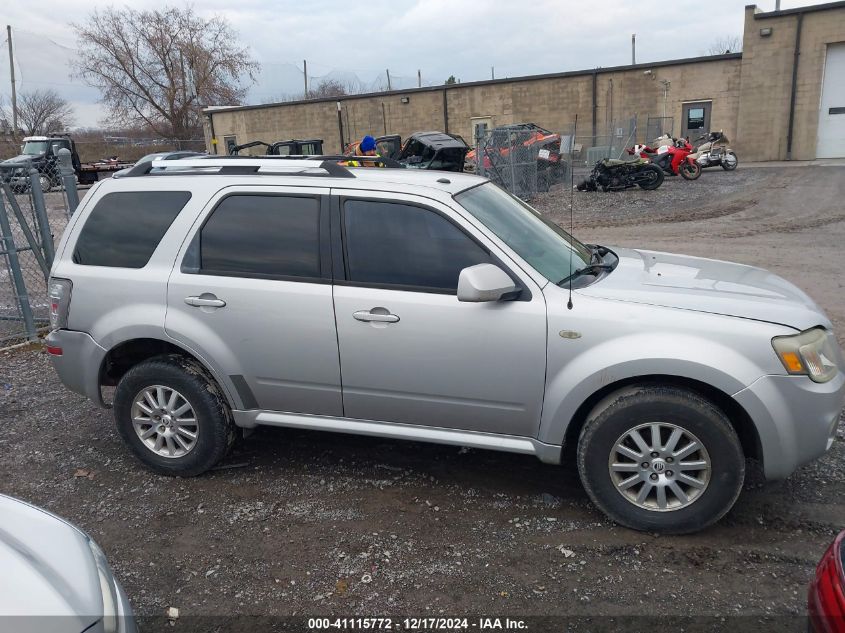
x: 524, y: 159
x: 527, y: 160
x: 34, y: 209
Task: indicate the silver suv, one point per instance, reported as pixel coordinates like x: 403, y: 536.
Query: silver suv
x: 218, y: 293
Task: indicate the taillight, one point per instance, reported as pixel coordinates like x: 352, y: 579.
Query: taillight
x: 59, y: 294
x: 826, y: 600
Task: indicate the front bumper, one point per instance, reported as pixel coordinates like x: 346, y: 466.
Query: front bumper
x: 796, y: 419
x: 79, y: 364
x: 125, y: 617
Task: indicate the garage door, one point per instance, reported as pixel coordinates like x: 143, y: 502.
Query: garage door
x: 832, y: 115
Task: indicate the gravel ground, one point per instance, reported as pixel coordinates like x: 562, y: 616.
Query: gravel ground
x: 306, y: 523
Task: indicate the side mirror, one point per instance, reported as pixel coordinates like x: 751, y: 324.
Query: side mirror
x: 484, y: 282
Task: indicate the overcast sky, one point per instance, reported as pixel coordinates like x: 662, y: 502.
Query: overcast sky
x: 360, y: 39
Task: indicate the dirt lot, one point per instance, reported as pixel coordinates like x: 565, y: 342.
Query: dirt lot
x: 306, y: 523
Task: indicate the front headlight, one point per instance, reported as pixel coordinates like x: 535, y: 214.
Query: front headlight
x: 106, y: 587
x: 811, y: 353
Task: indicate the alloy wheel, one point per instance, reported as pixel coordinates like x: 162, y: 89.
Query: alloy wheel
x: 164, y: 421
x: 659, y: 467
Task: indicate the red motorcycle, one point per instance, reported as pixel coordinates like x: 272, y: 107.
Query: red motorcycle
x: 672, y: 155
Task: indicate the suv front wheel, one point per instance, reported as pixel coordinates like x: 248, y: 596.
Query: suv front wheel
x: 660, y: 458
x: 173, y: 416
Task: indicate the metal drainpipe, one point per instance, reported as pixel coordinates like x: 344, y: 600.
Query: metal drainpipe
x: 211, y: 130
x: 595, y: 105
x: 445, y: 112
x: 340, y: 126
x: 795, y: 60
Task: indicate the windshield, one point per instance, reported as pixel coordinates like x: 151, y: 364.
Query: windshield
x: 538, y: 241
x: 34, y: 148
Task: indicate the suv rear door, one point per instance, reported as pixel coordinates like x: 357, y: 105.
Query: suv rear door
x: 443, y: 363
x: 251, y: 292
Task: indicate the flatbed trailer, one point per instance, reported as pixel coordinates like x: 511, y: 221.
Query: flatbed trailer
x: 89, y: 173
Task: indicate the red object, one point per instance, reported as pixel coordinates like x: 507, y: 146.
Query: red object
x: 826, y: 598
x: 54, y: 351
x: 536, y: 136
x: 679, y: 151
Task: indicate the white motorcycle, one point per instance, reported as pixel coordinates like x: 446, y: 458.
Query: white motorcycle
x: 715, y: 152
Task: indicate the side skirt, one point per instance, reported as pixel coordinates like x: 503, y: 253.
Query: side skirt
x: 547, y: 453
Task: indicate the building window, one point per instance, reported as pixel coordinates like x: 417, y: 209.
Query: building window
x: 695, y: 118
x: 229, y: 142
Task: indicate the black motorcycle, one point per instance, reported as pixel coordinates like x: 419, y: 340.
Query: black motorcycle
x: 615, y: 175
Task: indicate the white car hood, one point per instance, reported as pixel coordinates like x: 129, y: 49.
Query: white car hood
x: 707, y: 285
x: 48, y: 570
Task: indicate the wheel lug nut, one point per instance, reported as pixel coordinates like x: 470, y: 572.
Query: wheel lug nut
x: 669, y: 460
x: 644, y: 464
x: 669, y: 473
x: 655, y: 454
x: 653, y: 476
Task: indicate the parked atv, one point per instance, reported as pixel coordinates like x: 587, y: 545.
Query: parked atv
x: 291, y: 147
x: 421, y: 150
x: 715, y: 152
x: 615, y: 175
x: 521, y: 144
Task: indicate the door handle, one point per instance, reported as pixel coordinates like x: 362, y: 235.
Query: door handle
x: 366, y: 315
x: 205, y: 302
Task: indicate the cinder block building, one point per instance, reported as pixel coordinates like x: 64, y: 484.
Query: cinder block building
x: 782, y: 98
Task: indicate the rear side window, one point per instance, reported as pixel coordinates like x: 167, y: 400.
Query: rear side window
x: 124, y: 228
x: 262, y: 236
x: 395, y: 244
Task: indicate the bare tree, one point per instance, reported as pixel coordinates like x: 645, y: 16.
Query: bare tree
x: 329, y: 88
x: 40, y: 112
x: 157, y: 68
x: 725, y: 44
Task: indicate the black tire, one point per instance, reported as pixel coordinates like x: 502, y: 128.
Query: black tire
x: 650, y: 178
x: 46, y: 183
x: 216, y: 428
x: 733, y: 166
x: 690, y: 171
x: 633, y: 406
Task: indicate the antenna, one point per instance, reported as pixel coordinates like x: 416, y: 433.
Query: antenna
x: 571, y: 195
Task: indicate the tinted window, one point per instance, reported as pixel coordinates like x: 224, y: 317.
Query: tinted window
x: 262, y: 236
x: 397, y: 244
x: 695, y: 118
x: 125, y: 228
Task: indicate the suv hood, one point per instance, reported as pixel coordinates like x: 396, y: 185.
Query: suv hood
x: 48, y: 569
x: 707, y: 285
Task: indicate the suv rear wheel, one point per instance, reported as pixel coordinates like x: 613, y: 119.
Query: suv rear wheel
x: 660, y: 458
x: 173, y: 416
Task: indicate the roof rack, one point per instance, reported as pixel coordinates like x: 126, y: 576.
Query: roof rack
x: 324, y: 165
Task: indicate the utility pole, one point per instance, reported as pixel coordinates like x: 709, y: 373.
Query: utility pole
x: 388, y: 79
x: 419, y: 81
x: 633, y: 49
x: 492, y: 73
x: 305, y: 76
x: 14, y: 91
